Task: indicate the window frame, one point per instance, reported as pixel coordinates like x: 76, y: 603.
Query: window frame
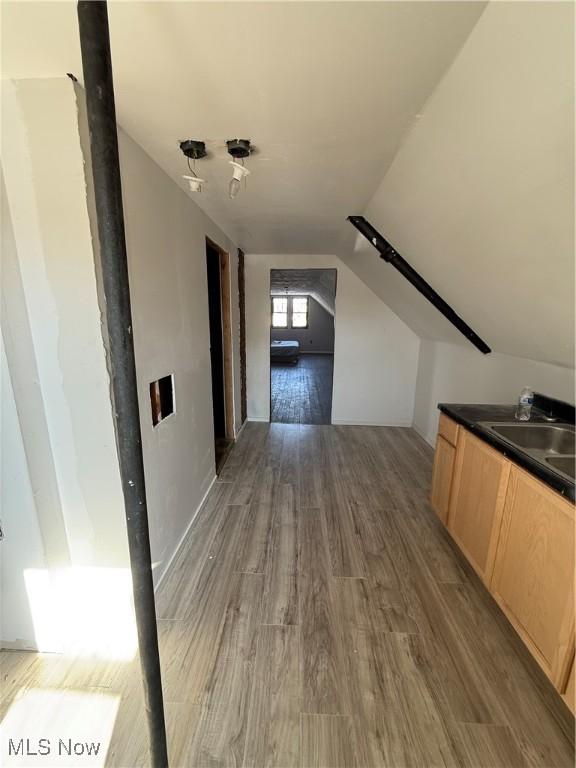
x: 289, y: 313
x: 299, y: 327
x: 272, y: 313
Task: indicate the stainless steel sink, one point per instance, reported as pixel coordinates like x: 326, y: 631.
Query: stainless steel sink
x: 564, y: 464
x: 542, y: 437
x: 553, y: 445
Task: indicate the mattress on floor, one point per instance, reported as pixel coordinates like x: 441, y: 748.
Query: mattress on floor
x: 284, y: 350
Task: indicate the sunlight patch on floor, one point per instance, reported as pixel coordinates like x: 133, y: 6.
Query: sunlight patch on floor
x: 58, y: 728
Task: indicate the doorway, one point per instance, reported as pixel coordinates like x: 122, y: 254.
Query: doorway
x: 219, y: 315
x: 302, y: 310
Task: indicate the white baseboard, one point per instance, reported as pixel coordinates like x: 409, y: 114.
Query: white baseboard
x: 360, y: 423
x: 258, y: 418
x: 183, y: 537
x: 424, y: 437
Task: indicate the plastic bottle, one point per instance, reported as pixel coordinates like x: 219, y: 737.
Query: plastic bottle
x: 525, y: 401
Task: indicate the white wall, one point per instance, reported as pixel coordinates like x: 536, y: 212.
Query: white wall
x: 451, y: 373
x: 56, y: 360
x: 318, y: 337
x: 56, y: 357
x: 375, y: 353
x: 166, y: 241
x: 480, y: 196
x: 166, y: 238
x: 23, y: 548
x: 55, y: 259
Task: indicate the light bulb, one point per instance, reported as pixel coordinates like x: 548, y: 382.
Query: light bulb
x: 239, y: 172
x: 234, y: 187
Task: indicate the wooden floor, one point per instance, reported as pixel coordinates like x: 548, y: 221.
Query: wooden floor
x: 318, y: 615
x: 301, y: 393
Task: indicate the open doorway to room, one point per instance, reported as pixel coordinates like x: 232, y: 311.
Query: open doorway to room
x: 219, y: 313
x: 302, y: 306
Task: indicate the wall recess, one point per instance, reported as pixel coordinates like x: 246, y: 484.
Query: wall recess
x: 162, y: 398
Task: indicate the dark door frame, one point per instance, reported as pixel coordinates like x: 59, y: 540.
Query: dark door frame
x: 242, y: 308
x: 226, y: 331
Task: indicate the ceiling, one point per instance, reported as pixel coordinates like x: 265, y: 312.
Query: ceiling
x: 480, y: 197
x: 326, y: 91
x: 318, y: 283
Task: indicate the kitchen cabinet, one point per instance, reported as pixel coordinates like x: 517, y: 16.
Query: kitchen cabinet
x: 533, y: 578
x: 477, y: 501
x: 518, y: 534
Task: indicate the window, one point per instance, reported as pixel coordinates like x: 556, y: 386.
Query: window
x: 300, y: 312
x: 296, y: 307
x: 279, y: 312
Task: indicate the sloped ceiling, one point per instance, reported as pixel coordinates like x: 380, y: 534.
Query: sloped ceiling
x: 318, y: 283
x: 325, y: 90
x: 448, y: 124
x: 480, y: 199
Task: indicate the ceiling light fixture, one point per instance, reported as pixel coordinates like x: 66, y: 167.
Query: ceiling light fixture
x: 193, y: 150
x: 239, y: 172
x: 239, y: 149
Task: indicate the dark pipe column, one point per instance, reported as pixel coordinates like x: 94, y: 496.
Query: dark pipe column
x: 97, y: 68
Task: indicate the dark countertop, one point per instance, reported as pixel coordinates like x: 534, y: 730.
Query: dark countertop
x: 469, y: 417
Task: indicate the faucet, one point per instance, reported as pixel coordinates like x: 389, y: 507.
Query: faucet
x: 547, y: 416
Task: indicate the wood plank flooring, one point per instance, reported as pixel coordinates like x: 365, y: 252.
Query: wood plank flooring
x: 318, y: 615
x: 301, y: 393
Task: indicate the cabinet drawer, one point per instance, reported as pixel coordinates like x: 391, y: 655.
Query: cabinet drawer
x: 448, y: 429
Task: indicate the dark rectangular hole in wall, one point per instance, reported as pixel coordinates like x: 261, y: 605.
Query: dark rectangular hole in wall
x: 162, y: 398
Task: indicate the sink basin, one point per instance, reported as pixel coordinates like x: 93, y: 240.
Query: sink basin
x: 551, y: 439
x: 564, y: 464
x: 551, y: 445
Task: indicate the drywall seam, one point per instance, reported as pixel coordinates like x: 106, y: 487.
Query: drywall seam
x: 83, y: 133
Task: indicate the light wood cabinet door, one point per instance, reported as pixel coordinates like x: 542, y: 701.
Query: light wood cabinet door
x: 442, y: 477
x: 534, y: 572
x: 477, y: 501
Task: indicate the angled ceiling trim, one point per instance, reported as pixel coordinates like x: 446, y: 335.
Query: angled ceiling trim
x: 391, y: 256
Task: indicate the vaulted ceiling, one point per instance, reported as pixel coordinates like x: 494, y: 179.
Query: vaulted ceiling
x: 450, y: 125
x: 325, y: 91
x: 480, y: 196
